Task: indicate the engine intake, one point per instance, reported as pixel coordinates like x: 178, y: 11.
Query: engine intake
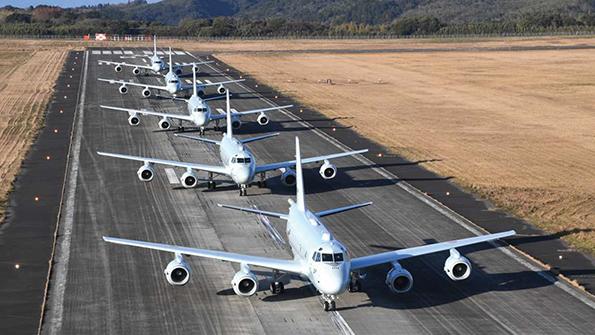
x: 178, y: 70
x: 221, y: 89
x: 146, y: 172
x: 123, y: 89
x: 189, y: 179
x: 136, y: 71
x: 288, y: 177
x: 118, y: 68
x: 133, y: 120
x: 457, y: 267
x: 244, y: 282
x: 398, y: 279
x: 177, y: 272
x: 164, y: 124
x: 146, y: 92
x: 328, y: 170
x: 236, y: 123
x: 262, y: 119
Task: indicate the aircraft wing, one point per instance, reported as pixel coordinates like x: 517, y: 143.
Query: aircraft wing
x: 125, y: 64
x: 392, y: 256
x: 129, y: 83
x: 317, y: 159
x: 202, y: 167
x: 190, y: 86
x: 253, y: 111
x: 146, y: 112
x: 197, y: 63
x: 265, y: 262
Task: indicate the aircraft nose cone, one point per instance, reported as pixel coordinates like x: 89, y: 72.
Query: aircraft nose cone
x: 172, y: 89
x: 241, y: 176
x: 332, y: 286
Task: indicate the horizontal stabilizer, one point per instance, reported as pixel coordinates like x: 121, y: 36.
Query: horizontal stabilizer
x: 196, y: 138
x: 256, y: 211
x: 341, y: 209
x: 258, y: 138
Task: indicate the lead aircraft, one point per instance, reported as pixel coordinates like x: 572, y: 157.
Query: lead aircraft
x: 317, y: 256
x: 157, y: 63
x: 173, y: 85
x: 199, y: 113
x: 238, y: 162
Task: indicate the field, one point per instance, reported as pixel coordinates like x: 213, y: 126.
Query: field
x: 27, y: 75
x: 518, y: 128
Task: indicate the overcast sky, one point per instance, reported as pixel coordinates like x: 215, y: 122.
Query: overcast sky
x: 61, y: 3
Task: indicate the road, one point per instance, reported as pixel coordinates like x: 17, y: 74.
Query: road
x: 102, y: 288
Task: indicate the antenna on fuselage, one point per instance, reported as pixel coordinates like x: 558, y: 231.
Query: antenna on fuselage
x: 229, y: 132
x: 299, y: 178
x: 194, y: 79
x: 170, y: 64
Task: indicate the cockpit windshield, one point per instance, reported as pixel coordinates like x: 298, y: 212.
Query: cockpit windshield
x: 327, y: 258
x: 173, y: 81
x: 241, y: 160
x: 199, y: 110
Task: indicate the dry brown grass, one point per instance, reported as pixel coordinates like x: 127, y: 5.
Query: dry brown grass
x: 27, y: 76
x: 516, y: 127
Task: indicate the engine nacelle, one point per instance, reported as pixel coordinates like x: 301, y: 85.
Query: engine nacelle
x: 133, y: 120
x: 457, y: 267
x: 288, y: 177
x: 236, y: 123
x: 244, y: 282
x: 178, y: 70
x: 398, y: 279
x: 328, y: 170
x: 146, y: 92
x: 146, y: 172
x: 123, y: 89
x: 221, y: 89
x: 118, y: 68
x: 189, y: 179
x: 262, y: 119
x: 136, y: 71
x: 164, y: 123
x: 177, y: 272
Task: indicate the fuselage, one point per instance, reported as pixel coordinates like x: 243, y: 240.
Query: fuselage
x: 238, y: 160
x: 157, y: 64
x: 172, y: 83
x: 325, y: 260
x: 199, y: 111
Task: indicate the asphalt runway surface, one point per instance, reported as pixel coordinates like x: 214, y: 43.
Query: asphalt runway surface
x: 96, y: 287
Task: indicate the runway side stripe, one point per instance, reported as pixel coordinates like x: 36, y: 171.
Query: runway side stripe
x: 96, y: 52
x: 208, y: 81
x: 171, y: 176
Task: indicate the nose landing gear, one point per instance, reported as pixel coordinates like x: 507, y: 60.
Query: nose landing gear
x: 243, y: 190
x: 328, y: 303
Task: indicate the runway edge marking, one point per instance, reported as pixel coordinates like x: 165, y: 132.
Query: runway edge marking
x: 467, y: 224
x: 63, y: 250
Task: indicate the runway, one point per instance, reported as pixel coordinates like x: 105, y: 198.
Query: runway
x: 101, y: 288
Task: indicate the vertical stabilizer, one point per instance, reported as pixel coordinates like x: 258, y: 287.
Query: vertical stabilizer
x: 299, y: 182
x: 229, y: 132
x: 155, y: 45
x: 194, y: 80
x: 170, y: 63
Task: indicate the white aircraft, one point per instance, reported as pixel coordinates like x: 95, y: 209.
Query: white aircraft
x: 173, y: 84
x: 157, y: 63
x: 199, y: 113
x: 238, y: 162
x: 317, y: 255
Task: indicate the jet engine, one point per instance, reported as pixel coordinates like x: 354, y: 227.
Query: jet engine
x: 164, y: 123
x: 146, y: 92
x: 244, y: 282
x: 177, y: 271
x: 133, y: 120
x: 123, y: 89
x: 146, y: 172
x: 328, y: 170
x: 189, y: 179
x: 136, y: 71
x: 236, y: 123
x: 398, y: 279
x: 118, y: 68
x: 288, y: 177
x: 221, y: 89
x: 262, y: 119
x: 457, y: 267
x: 178, y: 70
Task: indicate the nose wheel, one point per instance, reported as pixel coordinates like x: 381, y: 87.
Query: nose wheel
x: 243, y: 190
x: 201, y: 131
x: 328, y: 303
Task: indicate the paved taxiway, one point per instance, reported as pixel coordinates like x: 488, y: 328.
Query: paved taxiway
x: 101, y: 288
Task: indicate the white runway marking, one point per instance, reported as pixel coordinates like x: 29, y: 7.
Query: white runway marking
x: 128, y: 52
x: 198, y: 81
x: 148, y: 52
x: 179, y: 53
x: 188, y: 81
x: 117, y: 52
x: 208, y: 81
x: 96, y: 52
x: 158, y: 52
x: 145, y: 60
x: 107, y: 52
x: 63, y: 254
x: 171, y: 176
x: 220, y: 110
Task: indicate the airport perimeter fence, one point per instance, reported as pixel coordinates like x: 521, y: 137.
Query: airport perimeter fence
x: 137, y: 38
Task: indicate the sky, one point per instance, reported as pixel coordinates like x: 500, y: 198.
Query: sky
x: 61, y: 3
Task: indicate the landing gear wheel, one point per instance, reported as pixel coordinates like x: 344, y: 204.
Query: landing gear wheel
x: 180, y: 128
x: 243, y: 191
x: 211, y: 185
x: 201, y: 132
x: 262, y: 184
x: 355, y: 286
x: 333, y: 305
x: 277, y: 287
x: 327, y: 306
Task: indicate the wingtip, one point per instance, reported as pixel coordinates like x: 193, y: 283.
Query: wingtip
x: 219, y: 205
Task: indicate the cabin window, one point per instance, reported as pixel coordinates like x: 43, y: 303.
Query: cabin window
x: 240, y: 160
x: 338, y: 257
x: 327, y: 257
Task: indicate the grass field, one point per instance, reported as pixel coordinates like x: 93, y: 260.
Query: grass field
x: 515, y: 127
x: 27, y: 76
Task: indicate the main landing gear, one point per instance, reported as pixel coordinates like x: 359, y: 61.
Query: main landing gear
x: 211, y: 184
x: 355, y: 284
x: 262, y: 182
x: 277, y: 286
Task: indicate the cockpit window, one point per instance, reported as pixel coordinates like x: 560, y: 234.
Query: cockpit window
x: 338, y: 257
x: 247, y: 160
x: 327, y: 257
x: 240, y: 160
x: 199, y: 110
x: 316, y: 257
x: 173, y: 81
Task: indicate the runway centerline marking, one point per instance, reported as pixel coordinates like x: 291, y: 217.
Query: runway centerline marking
x: 171, y: 176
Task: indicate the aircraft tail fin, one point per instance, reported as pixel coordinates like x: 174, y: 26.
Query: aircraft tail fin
x: 228, y: 131
x: 194, y: 80
x: 299, y: 183
x: 155, y: 45
x: 170, y: 63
